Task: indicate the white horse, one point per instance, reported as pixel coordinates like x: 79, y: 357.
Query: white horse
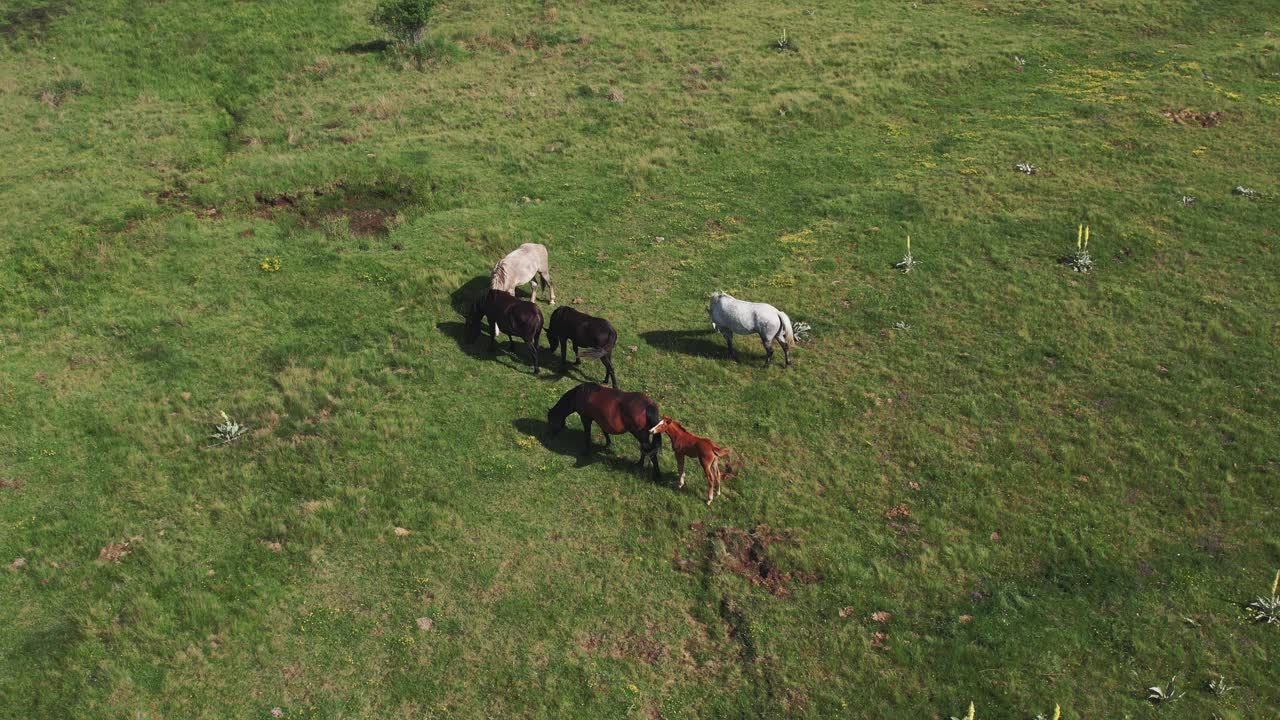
x: 730, y: 316
x: 521, y: 266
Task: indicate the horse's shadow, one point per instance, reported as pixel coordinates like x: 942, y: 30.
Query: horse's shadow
x: 579, y: 372
x: 689, y: 342
x: 568, y: 442
x: 372, y: 46
x: 517, y: 359
x: 462, y: 301
x: 468, y: 294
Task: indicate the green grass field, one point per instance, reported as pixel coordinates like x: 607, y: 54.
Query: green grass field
x: 1047, y: 487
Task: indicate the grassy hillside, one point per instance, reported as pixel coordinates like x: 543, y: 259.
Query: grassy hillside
x: 990, y: 480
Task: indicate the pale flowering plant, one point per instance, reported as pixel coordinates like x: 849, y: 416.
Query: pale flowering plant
x: 1267, y: 609
x: 1057, y: 714
x: 227, y: 430
x: 1080, y: 261
x: 1161, y: 695
x: 908, y: 263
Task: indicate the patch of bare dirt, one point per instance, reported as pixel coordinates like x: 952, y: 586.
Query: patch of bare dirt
x: 10, y: 484
x: 745, y: 554
x: 1187, y: 116
x: 114, y: 552
x: 367, y: 210
x: 30, y: 22
x: 641, y: 646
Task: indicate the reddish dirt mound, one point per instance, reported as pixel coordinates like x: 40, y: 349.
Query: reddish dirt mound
x: 746, y: 554
x: 1187, y: 116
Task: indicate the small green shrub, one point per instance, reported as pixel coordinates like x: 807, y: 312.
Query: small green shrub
x: 433, y: 50
x: 59, y: 91
x: 405, y: 20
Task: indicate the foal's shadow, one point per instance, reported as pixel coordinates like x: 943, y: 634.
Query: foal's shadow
x: 689, y: 342
x: 568, y: 442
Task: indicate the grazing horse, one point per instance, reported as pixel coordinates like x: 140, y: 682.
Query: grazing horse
x: 730, y: 316
x: 516, y: 318
x: 521, y: 266
x: 595, y: 335
x: 616, y: 412
x: 685, y: 444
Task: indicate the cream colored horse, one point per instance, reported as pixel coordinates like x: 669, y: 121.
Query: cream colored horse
x: 523, y: 265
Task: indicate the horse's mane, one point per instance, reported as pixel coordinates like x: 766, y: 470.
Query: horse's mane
x: 499, y: 274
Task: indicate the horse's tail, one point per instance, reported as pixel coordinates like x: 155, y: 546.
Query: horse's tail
x: 604, y: 349
x: 787, y: 333
x: 651, y: 420
x: 537, y: 329
x: 723, y: 454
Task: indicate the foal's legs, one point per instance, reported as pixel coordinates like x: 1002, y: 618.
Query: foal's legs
x: 576, y: 359
x: 728, y: 338
x: 708, y: 469
x: 680, y: 469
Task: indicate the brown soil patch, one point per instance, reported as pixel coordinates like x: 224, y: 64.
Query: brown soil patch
x: 114, y: 552
x: 367, y: 211
x: 10, y: 484
x: 1186, y: 116
x: 746, y: 554
x: 30, y: 22
x: 898, y: 512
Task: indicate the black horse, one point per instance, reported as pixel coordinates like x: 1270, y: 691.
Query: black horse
x: 594, y: 335
x: 616, y: 412
x: 516, y: 318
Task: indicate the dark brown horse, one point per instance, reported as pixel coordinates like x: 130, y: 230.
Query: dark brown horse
x: 616, y: 412
x: 592, y: 337
x: 516, y: 318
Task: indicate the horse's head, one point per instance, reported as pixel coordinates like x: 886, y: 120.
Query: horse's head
x: 663, y: 426
x: 555, y: 421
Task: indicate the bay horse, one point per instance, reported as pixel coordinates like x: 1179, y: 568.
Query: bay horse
x: 731, y: 316
x: 505, y: 313
x: 592, y: 337
x: 523, y: 265
x: 616, y: 412
x: 685, y: 444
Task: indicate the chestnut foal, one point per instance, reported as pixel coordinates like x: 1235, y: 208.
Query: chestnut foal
x: 686, y: 444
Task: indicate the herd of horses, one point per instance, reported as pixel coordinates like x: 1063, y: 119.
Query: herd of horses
x: 615, y: 411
